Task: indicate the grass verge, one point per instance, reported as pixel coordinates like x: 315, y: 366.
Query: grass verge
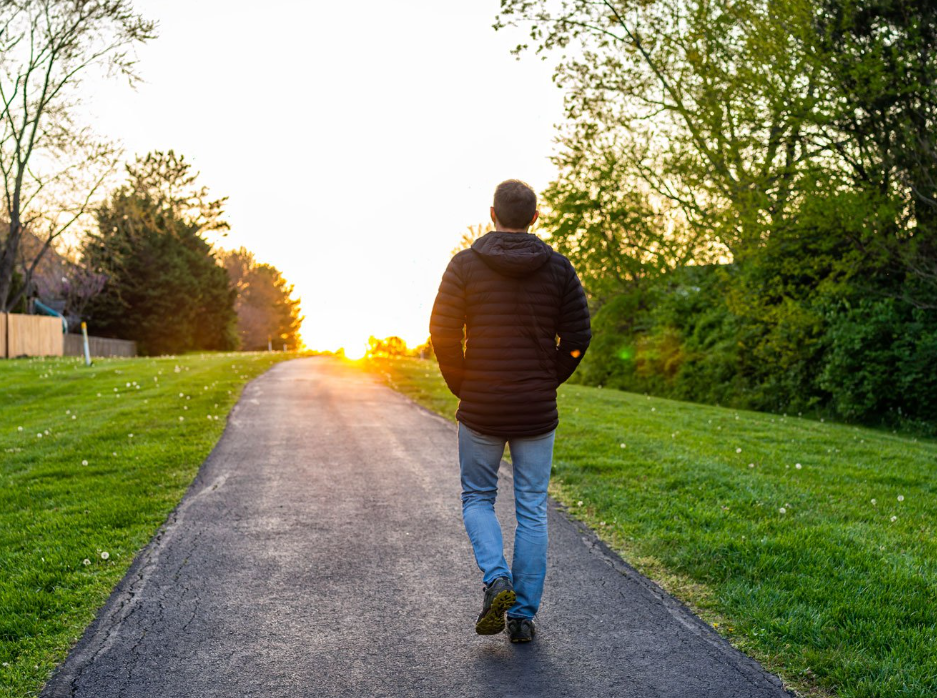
x: 809, y: 545
x: 92, y: 460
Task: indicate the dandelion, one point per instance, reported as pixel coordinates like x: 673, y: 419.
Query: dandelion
x: 622, y: 445
x: 105, y: 555
x: 782, y: 510
x: 19, y: 428
x: 86, y: 562
x: 738, y: 450
x: 74, y: 416
x: 894, y: 518
x: 653, y: 409
x: 209, y: 416
x: 798, y: 466
x: 874, y: 502
x: 181, y: 395
x: 38, y: 436
x: 68, y: 411
x: 129, y: 436
x: 751, y: 465
x: 181, y: 418
x: 900, y: 497
x: 114, y: 453
x: 579, y: 503
x: 84, y: 462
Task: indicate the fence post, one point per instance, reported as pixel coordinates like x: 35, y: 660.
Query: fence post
x: 84, y: 334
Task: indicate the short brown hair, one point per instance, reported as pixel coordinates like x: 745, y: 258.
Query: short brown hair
x: 515, y: 203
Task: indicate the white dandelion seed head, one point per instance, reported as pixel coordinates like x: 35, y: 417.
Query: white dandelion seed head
x: 105, y: 555
x: 894, y: 518
x: 74, y: 416
x: 621, y: 445
x: 19, y: 428
x: 181, y: 418
x: 84, y: 462
x: 798, y: 466
x: 579, y: 503
x: 129, y: 436
x: 86, y: 562
x: 38, y: 436
x: 900, y: 497
x: 874, y: 502
x: 782, y: 510
x: 751, y: 465
x: 738, y: 450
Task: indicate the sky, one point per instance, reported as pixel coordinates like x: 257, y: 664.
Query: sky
x: 356, y: 141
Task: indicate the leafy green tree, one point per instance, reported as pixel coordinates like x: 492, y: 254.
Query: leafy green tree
x: 266, y: 309
x: 165, y: 288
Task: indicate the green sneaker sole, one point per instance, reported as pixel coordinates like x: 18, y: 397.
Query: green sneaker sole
x: 492, y: 622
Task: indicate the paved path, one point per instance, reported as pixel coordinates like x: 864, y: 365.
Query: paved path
x: 320, y: 552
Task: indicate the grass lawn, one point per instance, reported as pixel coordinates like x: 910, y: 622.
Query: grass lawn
x: 91, y: 462
x: 809, y: 545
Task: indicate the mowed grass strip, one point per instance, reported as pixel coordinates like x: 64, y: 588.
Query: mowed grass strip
x: 810, y: 545
x: 92, y: 460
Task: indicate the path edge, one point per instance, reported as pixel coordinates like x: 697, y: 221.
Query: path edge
x: 747, y: 666
x: 121, y: 603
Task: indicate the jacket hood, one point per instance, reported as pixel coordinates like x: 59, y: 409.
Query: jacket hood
x: 512, y: 254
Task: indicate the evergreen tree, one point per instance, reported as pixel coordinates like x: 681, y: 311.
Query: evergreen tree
x: 164, y: 288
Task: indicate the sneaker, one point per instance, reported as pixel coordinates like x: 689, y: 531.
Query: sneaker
x: 521, y: 629
x: 499, y: 597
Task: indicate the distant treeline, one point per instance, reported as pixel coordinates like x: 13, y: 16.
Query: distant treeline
x: 749, y: 191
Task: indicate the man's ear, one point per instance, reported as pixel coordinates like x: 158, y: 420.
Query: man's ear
x: 534, y: 219
x: 494, y: 219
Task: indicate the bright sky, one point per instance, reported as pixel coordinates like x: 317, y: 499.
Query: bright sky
x: 355, y: 141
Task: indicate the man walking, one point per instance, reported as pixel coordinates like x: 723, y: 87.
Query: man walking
x: 510, y: 297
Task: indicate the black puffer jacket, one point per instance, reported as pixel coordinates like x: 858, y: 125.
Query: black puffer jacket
x: 515, y: 296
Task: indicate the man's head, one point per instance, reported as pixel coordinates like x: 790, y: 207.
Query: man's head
x: 515, y: 206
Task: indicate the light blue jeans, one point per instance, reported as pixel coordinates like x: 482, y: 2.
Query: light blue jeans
x: 532, y: 458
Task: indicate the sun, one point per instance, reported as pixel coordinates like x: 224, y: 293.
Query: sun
x: 355, y: 351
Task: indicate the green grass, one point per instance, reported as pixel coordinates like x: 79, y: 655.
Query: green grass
x: 837, y: 592
x: 92, y: 460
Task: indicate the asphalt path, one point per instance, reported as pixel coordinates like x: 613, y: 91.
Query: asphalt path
x: 320, y: 552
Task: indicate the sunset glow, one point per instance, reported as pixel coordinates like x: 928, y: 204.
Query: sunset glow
x: 354, y: 154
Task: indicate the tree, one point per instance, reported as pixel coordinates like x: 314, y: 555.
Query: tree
x: 52, y: 168
x: 473, y: 233
x: 266, y: 310
x: 165, y: 288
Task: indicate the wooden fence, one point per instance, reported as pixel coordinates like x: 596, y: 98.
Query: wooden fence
x: 30, y: 335
x: 99, y: 346
x: 41, y: 335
